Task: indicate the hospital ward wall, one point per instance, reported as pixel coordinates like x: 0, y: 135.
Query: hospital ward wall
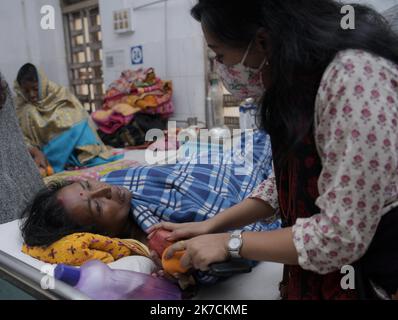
x: 23, y: 40
x: 172, y: 43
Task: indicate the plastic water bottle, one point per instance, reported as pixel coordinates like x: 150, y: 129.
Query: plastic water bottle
x: 247, y: 115
x: 99, y: 282
x: 209, y: 112
x: 216, y: 99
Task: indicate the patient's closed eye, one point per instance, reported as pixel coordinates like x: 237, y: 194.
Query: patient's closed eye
x: 98, y: 208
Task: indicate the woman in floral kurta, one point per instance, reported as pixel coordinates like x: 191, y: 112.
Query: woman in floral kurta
x: 356, y: 127
x: 331, y: 108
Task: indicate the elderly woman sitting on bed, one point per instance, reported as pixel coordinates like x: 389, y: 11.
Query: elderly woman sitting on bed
x: 56, y: 127
x: 128, y: 203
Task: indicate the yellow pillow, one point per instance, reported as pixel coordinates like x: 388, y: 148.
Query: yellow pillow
x: 78, y: 248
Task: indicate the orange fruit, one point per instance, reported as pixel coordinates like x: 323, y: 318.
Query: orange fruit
x: 49, y: 171
x: 172, y: 265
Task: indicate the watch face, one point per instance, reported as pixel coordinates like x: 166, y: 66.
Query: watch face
x: 235, y: 243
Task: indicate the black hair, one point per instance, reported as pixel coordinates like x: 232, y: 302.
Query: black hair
x: 380, y: 262
x: 27, y: 73
x: 305, y: 36
x: 46, y: 221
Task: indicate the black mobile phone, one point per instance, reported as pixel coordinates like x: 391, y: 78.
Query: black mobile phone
x: 231, y: 267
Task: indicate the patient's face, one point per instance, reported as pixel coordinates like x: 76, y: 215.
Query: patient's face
x: 95, y: 203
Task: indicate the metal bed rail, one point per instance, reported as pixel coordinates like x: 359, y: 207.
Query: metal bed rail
x: 30, y: 280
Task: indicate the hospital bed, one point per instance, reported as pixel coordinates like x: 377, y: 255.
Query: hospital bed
x: 22, y: 277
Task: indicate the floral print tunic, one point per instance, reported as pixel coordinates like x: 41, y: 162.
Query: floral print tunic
x: 356, y: 134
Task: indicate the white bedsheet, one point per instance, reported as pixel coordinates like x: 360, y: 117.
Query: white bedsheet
x: 260, y: 284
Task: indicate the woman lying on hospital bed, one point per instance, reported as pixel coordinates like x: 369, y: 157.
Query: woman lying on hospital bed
x: 126, y: 203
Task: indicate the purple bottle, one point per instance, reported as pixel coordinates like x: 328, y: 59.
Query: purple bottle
x: 99, y: 282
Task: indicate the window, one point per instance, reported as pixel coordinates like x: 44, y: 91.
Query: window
x: 82, y: 25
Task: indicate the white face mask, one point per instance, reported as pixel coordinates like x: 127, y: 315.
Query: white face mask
x: 241, y: 81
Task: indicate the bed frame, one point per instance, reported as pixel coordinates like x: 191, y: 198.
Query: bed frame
x: 29, y: 280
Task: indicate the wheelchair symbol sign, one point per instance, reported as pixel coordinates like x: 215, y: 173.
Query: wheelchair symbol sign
x: 137, y: 56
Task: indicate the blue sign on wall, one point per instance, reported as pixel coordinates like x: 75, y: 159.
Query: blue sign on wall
x: 137, y: 55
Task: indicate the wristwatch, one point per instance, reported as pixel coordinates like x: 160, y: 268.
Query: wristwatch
x: 235, y: 244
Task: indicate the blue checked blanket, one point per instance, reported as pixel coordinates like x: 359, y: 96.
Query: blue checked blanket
x: 200, y: 187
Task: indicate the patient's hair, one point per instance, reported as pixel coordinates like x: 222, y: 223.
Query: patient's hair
x: 46, y: 221
x: 27, y: 73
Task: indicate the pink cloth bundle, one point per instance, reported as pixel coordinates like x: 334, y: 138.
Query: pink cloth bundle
x: 113, y: 122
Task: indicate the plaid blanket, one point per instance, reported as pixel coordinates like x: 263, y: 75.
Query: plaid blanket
x: 197, y: 189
